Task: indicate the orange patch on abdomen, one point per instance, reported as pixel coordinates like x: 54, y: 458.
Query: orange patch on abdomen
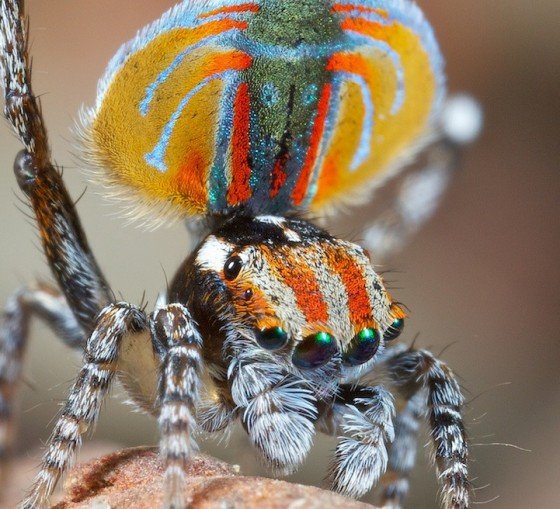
x: 247, y: 7
x: 359, y: 8
x: 191, y: 177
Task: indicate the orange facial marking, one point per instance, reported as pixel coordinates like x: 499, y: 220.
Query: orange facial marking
x: 359, y: 8
x: 355, y: 283
x: 239, y: 189
x: 397, y: 312
x: 298, y: 194
x: 256, y: 307
x: 247, y: 7
x: 301, y: 279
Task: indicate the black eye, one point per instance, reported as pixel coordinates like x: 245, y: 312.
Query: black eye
x: 273, y: 338
x: 394, y: 330
x: 362, y: 347
x: 232, y: 267
x: 314, y: 351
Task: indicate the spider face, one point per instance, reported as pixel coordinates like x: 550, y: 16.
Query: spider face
x: 306, y: 299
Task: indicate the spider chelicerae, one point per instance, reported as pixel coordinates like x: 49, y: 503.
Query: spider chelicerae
x: 291, y: 327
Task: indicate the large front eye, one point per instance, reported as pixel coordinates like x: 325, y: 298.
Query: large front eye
x: 314, y: 351
x: 394, y: 330
x: 273, y: 338
x: 232, y: 267
x: 362, y: 348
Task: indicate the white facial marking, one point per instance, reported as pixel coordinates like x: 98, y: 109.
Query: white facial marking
x: 213, y: 254
x: 281, y: 223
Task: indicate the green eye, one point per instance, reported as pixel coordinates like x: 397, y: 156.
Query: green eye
x: 394, y: 330
x: 314, y: 351
x: 362, y: 348
x: 272, y: 338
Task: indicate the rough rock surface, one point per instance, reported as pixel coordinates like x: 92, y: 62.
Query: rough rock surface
x: 134, y: 478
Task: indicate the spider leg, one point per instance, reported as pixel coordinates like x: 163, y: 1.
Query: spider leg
x: 427, y: 384
x: 63, y: 239
x: 86, y: 396
x: 173, y: 327
x: 365, y: 417
x: 46, y: 303
x: 279, y: 411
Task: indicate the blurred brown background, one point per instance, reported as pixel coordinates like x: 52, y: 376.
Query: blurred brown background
x: 483, y: 275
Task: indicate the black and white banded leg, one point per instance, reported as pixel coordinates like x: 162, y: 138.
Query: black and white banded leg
x: 402, y: 453
x: 64, y: 241
x: 179, y: 388
x: 365, y: 417
x: 86, y: 396
x: 279, y: 411
x: 430, y: 388
x: 48, y: 304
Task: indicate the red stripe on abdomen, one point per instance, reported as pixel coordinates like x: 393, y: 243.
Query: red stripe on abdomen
x: 300, y: 189
x: 239, y: 189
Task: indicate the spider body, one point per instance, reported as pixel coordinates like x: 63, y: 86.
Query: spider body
x: 263, y: 107
x: 248, y: 113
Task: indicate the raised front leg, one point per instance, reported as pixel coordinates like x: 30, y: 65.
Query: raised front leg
x: 86, y: 396
x: 179, y: 388
x: 63, y: 239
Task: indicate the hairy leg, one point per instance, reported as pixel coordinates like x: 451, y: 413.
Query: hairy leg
x: 173, y: 327
x: 365, y: 417
x: 64, y: 241
x: 402, y: 454
x: 46, y: 303
x: 279, y: 411
x: 428, y: 386
x: 86, y: 396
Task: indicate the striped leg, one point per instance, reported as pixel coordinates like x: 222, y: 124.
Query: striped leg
x: 175, y: 330
x: 86, y: 396
x: 361, y: 455
x: 46, y: 303
x: 428, y: 383
x: 62, y: 236
x: 402, y: 453
x: 278, y: 412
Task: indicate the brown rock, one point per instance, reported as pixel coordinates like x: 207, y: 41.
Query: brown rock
x: 133, y: 478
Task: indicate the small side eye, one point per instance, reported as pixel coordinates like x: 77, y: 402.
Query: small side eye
x: 314, y: 351
x: 362, y: 348
x: 233, y: 267
x: 273, y: 338
x: 394, y: 330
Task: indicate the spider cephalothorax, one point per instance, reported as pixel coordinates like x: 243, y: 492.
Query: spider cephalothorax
x: 293, y: 290
x: 250, y: 114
